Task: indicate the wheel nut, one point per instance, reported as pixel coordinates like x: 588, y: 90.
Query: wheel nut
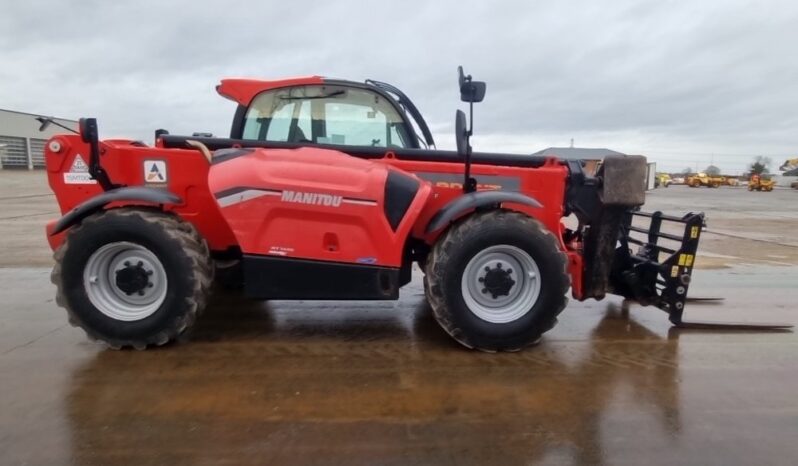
x: 485, y: 290
x: 487, y: 269
x: 481, y: 279
x: 498, y: 265
x: 127, y: 263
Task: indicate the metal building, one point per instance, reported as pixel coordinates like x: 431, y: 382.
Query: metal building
x: 21, y: 142
x: 591, y: 157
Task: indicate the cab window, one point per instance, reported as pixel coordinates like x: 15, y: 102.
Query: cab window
x: 325, y: 115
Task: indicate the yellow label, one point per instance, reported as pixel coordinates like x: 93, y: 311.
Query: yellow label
x: 682, y: 259
x: 689, y: 262
x: 675, y: 271
x: 694, y: 232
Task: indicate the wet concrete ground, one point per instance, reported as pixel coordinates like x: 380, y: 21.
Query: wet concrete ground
x: 380, y: 383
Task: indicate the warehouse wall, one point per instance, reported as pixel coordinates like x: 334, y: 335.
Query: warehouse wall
x: 21, y: 142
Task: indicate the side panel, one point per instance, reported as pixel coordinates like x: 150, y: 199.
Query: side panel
x: 181, y: 172
x: 546, y: 184
x: 317, y: 204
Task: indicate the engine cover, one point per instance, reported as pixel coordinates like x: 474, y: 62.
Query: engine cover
x: 316, y: 204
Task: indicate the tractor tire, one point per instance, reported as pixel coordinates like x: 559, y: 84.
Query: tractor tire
x: 133, y: 277
x: 497, y: 281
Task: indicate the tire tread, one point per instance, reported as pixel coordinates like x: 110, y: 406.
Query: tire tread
x: 195, y: 248
x: 453, y: 238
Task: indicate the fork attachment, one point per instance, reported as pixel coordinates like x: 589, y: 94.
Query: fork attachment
x: 656, y: 274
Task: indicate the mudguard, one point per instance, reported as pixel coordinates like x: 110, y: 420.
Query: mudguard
x: 128, y: 194
x: 466, y: 202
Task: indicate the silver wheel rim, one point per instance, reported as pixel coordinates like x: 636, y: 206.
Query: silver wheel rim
x: 520, y: 297
x: 100, y: 281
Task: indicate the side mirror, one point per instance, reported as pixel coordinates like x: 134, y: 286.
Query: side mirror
x: 160, y: 132
x: 88, y: 130
x: 45, y: 123
x: 461, y: 133
x: 470, y: 91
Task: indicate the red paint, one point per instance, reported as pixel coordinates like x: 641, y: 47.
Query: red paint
x: 243, y: 90
x: 353, y: 230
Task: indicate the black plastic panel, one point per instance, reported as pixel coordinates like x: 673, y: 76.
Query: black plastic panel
x: 400, y: 190
x: 268, y: 277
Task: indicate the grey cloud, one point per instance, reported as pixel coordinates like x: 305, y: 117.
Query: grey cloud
x: 674, y: 80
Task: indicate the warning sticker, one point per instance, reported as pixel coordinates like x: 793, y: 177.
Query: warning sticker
x: 79, y: 172
x: 155, y: 172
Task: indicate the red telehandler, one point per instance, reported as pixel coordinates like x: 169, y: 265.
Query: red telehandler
x: 330, y: 189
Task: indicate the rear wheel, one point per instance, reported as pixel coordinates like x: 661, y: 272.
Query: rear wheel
x: 133, y: 277
x: 497, y: 281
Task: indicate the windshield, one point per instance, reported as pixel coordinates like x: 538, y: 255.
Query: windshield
x: 325, y: 115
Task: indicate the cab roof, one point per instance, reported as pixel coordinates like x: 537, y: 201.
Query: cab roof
x: 243, y: 90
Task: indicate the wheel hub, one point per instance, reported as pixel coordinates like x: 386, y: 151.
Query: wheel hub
x: 125, y: 281
x: 133, y: 278
x: 501, y: 283
x: 497, y: 281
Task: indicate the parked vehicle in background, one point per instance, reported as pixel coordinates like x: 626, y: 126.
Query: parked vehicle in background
x: 662, y: 179
x: 789, y: 166
x: 757, y: 183
x: 702, y: 179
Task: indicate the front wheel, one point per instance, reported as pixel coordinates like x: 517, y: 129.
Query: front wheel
x: 133, y: 277
x: 497, y: 281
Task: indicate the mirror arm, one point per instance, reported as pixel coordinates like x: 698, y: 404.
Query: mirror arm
x: 469, y: 184
x: 90, y: 135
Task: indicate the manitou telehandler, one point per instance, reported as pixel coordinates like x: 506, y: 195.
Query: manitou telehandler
x: 330, y: 189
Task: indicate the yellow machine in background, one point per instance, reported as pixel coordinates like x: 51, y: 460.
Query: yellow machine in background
x: 663, y: 179
x: 789, y: 165
x: 757, y: 183
x: 702, y: 179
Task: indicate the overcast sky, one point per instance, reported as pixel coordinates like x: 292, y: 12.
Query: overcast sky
x: 681, y: 82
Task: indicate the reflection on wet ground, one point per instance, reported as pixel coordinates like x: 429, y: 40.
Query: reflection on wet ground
x: 379, y: 383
